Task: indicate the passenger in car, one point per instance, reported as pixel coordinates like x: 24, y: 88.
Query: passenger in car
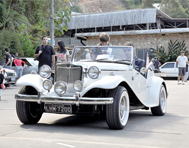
x: 139, y: 63
x: 127, y: 52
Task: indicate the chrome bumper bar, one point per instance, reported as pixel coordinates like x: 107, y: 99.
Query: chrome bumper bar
x: 66, y: 100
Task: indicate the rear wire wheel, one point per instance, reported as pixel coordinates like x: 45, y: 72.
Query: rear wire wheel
x: 161, y: 109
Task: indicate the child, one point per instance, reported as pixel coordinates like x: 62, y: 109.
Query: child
x: 1, y: 81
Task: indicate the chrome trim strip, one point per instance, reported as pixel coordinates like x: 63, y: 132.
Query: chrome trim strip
x: 66, y: 100
x: 111, y: 70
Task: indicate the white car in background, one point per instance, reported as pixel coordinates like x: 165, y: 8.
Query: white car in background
x: 170, y: 69
x: 10, y: 76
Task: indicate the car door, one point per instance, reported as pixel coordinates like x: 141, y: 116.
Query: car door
x: 169, y: 69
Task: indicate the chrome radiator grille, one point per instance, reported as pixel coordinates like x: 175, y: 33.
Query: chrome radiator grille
x: 68, y: 75
x: 10, y: 74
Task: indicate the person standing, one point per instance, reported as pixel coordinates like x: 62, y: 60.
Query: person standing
x: 186, y: 74
x: 62, y: 53
x: 19, y: 69
x: 45, y: 54
x: 182, y: 60
x: 8, y: 59
x: 156, y: 63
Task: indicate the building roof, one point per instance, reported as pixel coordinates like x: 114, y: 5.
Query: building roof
x: 127, y: 17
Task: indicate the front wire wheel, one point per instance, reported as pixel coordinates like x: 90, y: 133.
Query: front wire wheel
x: 117, y: 114
x: 161, y: 109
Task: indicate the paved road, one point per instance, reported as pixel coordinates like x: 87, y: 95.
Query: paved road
x: 63, y: 131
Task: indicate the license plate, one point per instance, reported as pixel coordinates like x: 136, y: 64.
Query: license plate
x: 58, y: 108
x: 12, y: 79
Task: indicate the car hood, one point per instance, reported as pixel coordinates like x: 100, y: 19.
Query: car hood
x: 8, y: 70
x: 103, y: 65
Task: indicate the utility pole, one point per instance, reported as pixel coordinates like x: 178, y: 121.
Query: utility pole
x: 52, y: 23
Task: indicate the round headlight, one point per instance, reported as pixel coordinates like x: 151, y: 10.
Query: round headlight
x: 60, y: 88
x: 45, y: 71
x: 47, y: 84
x: 78, y: 85
x: 93, y: 72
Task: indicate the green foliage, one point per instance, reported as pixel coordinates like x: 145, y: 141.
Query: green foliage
x: 174, y: 8
x: 2, y: 12
x: 12, y: 19
x: 132, y: 4
x: 76, y: 9
x: 161, y: 54
x: 61, y: 21
x: 174, y: 49
x: 10, y: 40
x: 147, y: 3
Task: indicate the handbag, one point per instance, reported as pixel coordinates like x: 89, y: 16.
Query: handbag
x: 3, y: 86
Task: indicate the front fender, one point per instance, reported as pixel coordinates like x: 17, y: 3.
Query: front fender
x: 107, y: 82
x: 33, y: 80
x: 154, y: 93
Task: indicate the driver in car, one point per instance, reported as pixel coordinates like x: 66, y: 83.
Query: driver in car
x: 95, y: 52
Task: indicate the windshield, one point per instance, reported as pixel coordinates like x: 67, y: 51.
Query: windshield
x: 34, y: 63
x: 104, y: 53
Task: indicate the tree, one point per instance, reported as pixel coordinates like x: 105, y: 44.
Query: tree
x: 12, y: 19
x: 2, y: 12
x: 147, y: 4
x: 174, y: 49
x: 173, y: 8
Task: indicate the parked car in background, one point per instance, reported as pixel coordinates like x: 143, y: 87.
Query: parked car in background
x: 99, y: 80
x: 10, y: 76
x: 31, y: 64
x: 170, y: 68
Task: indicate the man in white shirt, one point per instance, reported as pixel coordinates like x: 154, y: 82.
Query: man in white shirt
x: 181, y: 61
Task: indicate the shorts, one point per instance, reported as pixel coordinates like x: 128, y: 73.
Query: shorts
x: 182, y: 71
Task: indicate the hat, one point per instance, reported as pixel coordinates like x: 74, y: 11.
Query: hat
x: 96, y: 51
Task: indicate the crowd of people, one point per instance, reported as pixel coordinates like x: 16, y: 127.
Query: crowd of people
x: 45, y: 54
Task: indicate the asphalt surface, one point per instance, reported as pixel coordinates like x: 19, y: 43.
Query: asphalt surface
x: 64, y: 131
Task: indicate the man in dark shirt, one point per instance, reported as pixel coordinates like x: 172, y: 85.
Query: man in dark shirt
x: 46, y: 54
x: 8, y: 61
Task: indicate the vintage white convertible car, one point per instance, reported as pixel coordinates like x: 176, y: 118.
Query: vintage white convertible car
x: 99, y: 80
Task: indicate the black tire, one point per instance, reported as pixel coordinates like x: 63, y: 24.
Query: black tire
x: 161, y: 109
x: 28, y: 112
x: 117, y: 114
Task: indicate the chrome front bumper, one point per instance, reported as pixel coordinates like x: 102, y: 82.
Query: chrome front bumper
x: 65, y: 100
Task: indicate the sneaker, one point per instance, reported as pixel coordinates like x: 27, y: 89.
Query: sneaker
x: 179, y: 82
x: 182, y: 83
